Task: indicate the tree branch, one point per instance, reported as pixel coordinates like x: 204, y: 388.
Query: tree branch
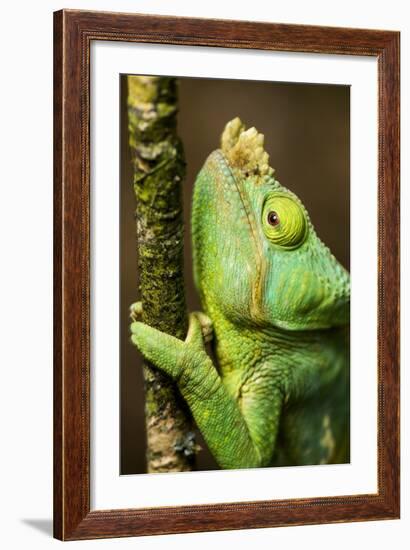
x: 159, y: 168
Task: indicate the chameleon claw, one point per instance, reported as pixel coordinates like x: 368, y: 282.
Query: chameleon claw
x: 135, y: 311
x: 206, y: 326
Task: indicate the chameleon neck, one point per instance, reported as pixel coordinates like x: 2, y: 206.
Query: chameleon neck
x: 301, y: 360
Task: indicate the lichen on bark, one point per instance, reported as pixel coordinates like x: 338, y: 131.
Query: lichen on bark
x: 159, y: 169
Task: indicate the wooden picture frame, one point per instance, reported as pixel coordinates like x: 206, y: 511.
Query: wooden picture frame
x: 73, y: 33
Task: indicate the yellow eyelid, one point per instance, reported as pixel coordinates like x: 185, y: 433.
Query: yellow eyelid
x: 291, y: 231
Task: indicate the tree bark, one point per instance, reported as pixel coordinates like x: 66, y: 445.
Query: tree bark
x: 159, y: 169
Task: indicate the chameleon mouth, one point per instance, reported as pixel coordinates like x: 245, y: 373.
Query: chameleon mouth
x: 313, y: 325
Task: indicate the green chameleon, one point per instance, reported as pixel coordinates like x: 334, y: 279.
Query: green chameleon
x: 278, y: 303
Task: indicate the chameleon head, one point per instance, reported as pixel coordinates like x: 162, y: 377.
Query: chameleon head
x: 257, y: 258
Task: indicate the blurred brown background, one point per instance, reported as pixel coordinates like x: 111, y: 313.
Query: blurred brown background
x: 306, y: 128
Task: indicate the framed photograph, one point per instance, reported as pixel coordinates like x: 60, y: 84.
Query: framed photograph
x: 226, y: 275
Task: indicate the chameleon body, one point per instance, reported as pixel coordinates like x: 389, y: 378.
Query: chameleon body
x: 278, y: 301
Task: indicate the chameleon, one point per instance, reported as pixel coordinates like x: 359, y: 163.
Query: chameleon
x: 276, y: 304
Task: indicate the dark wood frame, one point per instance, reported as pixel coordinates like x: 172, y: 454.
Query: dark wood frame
x: 73, y: 33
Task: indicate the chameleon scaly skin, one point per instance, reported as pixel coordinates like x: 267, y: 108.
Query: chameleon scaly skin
x: 279, y: 305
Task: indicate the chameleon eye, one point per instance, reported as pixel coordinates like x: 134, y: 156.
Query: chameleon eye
x: 273, y: 218
x: 283, y: 221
